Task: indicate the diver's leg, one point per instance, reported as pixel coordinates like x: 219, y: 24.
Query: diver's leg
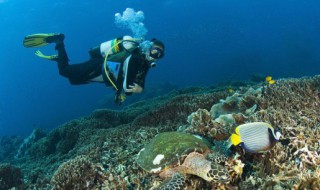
x: 77, y: 73
x: 95, y: 52
x: 62, y: 60
x: 82, y: 73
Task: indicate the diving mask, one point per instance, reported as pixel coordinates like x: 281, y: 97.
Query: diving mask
x: 156, y: 53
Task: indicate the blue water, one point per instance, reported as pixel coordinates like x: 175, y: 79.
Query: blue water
x: 207, y: 41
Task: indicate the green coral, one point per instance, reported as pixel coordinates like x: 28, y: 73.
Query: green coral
x: 171, y: 147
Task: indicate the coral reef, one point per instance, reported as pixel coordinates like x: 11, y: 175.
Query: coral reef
x: 224, y: 115
x: 9, y: 147
x: 293, y: 107
x: 10, y: 177
x: 109, y: 141
x: 27, y: 143
x: 78, y: 173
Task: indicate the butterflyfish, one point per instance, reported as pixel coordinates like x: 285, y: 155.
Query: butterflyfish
x: 270, y: 80
x: 255, y: 137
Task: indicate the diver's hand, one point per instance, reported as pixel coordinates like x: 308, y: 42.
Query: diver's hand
x: 135, y: 88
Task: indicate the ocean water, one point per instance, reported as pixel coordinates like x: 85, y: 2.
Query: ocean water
x: 207, y: 42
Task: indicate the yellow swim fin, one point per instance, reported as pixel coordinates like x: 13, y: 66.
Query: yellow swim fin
x: 38, y: 40
x: 49, y: 57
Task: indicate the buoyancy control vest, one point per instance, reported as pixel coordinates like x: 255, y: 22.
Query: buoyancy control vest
x: 115, y: 53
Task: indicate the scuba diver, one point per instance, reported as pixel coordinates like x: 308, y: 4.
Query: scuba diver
x: 122, y: 62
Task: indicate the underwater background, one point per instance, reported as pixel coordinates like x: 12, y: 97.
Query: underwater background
x: 212, y: 90
x: 207, y: 42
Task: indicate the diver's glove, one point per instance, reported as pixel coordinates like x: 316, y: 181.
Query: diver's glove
x: 119, y: 98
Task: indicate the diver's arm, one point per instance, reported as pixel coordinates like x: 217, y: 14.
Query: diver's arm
x: 135, y: 88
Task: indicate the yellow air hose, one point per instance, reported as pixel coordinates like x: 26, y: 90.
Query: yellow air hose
x: 135, y: 40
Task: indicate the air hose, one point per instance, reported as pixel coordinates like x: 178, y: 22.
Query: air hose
x: 134, y: 40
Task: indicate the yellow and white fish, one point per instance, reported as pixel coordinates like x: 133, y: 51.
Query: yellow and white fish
x: 255, y: 137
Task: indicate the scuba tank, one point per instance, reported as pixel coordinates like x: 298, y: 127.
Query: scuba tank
x: 117, y: 49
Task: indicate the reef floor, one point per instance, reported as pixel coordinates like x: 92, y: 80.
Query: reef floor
x: 99, y: 151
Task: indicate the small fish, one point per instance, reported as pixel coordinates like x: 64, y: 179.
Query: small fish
x: 270, y: 80
x: 255, y: 137
x: 230, y: 90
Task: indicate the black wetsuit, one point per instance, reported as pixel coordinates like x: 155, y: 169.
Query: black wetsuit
x: 82, y: 73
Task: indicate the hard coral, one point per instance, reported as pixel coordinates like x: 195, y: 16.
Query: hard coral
x: 200, y: 123
x: 177, y: 109
x: 29, y: 141
x: 237, y: 103
x: 9, y: 146
x: 290, y: 106
x: 78, y: 173
x: 223, y: 116
x: 10, y: 177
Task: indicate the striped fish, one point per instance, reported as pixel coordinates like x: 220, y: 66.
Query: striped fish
x: 255, y: 137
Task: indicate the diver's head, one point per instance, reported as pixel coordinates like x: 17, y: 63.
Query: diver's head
x: 156, y: 51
